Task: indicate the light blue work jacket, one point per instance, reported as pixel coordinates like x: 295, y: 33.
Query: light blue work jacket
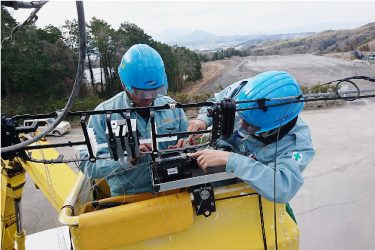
x: 294, y: 152
x: 137, y: 180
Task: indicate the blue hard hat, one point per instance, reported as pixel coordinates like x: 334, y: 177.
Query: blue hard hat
x: 270, y: 84
x: 141, y: 69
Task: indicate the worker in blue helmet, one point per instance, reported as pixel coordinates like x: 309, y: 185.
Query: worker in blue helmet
x: 145, y: 83
x: 258, y: 133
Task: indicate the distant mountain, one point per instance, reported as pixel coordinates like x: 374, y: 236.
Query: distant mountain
x: 169, y: 35
x: 202, y: 40
x: 256, y: 39
x: 196, y: 36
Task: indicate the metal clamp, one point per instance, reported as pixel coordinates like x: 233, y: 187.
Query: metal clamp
x: 172, y: 105
x: 112, y: 140
x: 131, y: 138
x: 204, y: 200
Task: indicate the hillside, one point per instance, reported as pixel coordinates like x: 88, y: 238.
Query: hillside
x: 201, y: 40
x: 362, y: 39
x: 307, y: 69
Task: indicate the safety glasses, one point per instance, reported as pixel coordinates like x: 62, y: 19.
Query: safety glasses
x: 245, y: 127
x: 149, y: 93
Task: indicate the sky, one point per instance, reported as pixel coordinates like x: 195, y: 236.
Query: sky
x: 216, y: 17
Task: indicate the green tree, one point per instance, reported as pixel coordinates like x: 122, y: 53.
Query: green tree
x: 131, y: 34
x: 188, y: 67
x: 170, y: 60
x: 33, y: 68
x: 70, y: 33
x: 99, y: 38
x: 50, y: 34
x: 215, y: 56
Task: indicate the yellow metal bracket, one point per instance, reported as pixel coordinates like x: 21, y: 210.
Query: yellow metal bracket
x: 54, y: 180
x: 11, y: 191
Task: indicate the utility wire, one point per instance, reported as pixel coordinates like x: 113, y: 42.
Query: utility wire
x: 28, y: 21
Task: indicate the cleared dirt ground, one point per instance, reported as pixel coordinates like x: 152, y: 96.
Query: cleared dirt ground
x: 307, y: 69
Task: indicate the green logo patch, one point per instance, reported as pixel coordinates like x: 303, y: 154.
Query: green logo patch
x: 297, y: 156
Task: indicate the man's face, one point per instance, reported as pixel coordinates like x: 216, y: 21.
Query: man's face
x: 144, y: 97
x: 141, y: 102
x: 251, y: 129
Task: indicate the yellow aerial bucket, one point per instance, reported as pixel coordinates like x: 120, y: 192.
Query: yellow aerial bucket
x: 243, y: 220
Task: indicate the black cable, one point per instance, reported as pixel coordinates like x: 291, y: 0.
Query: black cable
x: 347, y: 98
x: 168, y: 150
x: 60, y: 160
x: 116, y: 111
x: 236, y: 196
x: 274, y: 174
x: 262, y: 222
x: 371, y: 79
x: 304, y: 100
x: 23, y: 4
x: 71, y: 241
x: 348, y: 79
x: 69, y: 206
x: 76, y: 87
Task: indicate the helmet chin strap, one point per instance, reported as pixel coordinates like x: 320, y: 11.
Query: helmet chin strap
x: 129, y: 96
x: 245, y: 138
x: 269, y: 133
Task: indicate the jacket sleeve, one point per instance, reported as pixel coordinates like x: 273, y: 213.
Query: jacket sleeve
x: 101, y: 168
x: 229, y: 92
x: 261, y: 176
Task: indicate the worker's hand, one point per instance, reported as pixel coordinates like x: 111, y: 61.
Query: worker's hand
x: 195, y: 125
x: 211, y: 158
x: 142, y: 148
x: 180, y: 144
